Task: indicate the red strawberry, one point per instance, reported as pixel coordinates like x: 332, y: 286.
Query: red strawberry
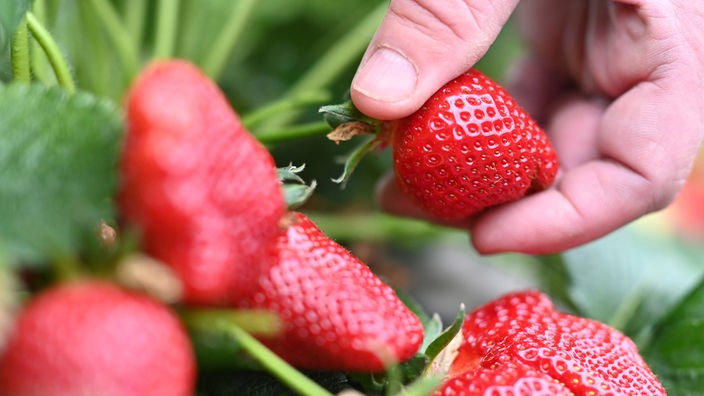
x: 470, y: 147
x: 506, y: 379
x: 337, y: 314
x: 92, y: 338
x: 523, y: 332
x: 203, y: 192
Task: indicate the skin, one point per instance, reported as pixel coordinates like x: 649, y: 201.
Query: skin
x: 616, y: 84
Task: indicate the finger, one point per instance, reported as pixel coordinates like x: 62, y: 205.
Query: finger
x: 420, y: 45
x: 589, y: 202
x: 572, y: 130
x: 647, y: 148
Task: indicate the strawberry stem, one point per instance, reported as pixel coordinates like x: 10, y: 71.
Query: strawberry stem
x: 53, y: 53
x: 134, y: 12
x: 39, y: 64
x: 254, y: 321
x: 277, y: 366
x: 166, y: 22
x: 293, y: 132
x: 628, y: 307
x: 285, y: 104
x: 336, y: 60
x: 230, y: 33
x: 20, y: 54
x: 119, y: 35
x: 376, y: 226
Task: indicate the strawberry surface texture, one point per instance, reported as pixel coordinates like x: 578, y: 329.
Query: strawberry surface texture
x: 519, y: 344
x: 92, y: 338
x: 337, y: 314
x: 470, y: 147
x: 201, y: 191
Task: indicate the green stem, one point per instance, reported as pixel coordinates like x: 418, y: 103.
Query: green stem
x: 345, y: 51
x: 135, y: 12
x: 20, y: 54
x: 39, y: 63
x: 166, y: 22
x: 626, y: 310
x: 119, y: 35
x: 287, y: 103
x: 294, y: 132
x: 52, y: 51
x: 557, y: 281
x: 229, y: 35
x: 277, y: 366
x: 261, y: 322
x: 379, y: 227
x: 329, y: 66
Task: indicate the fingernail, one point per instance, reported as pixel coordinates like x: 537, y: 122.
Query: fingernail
x: 387, y: 76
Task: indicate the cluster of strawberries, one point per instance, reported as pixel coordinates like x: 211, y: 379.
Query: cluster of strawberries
x: 206, y: 200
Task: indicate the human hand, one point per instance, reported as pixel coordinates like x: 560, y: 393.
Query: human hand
x: 616, y: 84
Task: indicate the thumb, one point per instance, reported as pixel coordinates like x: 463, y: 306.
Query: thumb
x: 421, y: 45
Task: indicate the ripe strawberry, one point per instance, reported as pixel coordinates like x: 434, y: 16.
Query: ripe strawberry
x: 468, y: 148
x: 506, y: 379
x: 202, y: 191
x: 523, y: 332
x: 337, y: 314
x: 92, y: 338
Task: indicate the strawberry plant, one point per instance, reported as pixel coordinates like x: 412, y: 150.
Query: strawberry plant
x: 169, y: 225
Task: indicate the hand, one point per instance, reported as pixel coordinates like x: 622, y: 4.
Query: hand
x: 617, y: 85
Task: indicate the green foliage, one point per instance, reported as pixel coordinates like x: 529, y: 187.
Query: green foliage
x: 630, y: 279
x: 677, y: 351
x: 57, y: 170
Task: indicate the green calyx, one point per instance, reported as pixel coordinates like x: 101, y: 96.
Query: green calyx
x: 348, y: 122
x: 296, y: 191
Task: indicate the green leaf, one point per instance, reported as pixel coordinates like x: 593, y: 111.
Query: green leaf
x: 58, y: 156
x: 630, y: 279
x: 11, y: 12
x: 442, y: 340
x: 676, y: 353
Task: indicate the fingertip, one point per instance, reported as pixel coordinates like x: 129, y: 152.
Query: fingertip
x: 419, y: 47
x: 385, y: 85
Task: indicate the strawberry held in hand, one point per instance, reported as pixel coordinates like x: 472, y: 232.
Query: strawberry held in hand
x: 92, y: 338
x: 520, y: 343
x: 337, y: 314
x: 201, y: 190
x: 469, y: 147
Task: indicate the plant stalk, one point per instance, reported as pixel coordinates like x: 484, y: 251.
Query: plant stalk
x: 277, y: 366
x: 118, y: 34
x: 295, y: 132
x: 223, y: 45
x: 345, y: 51
x: 166, y: 23
x: 20, y: 54
x: 53, y: 53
